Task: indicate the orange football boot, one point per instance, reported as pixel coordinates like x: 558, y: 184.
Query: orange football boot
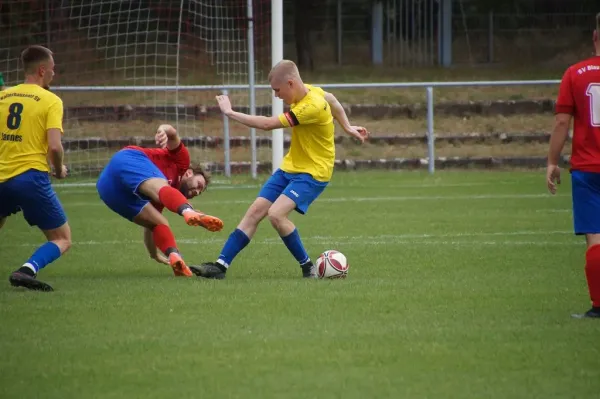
x: 210, y: 223
x: 179, y: 266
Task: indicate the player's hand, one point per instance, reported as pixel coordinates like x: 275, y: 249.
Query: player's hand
x: 63, y: 173
x: 160, y: 258
x: 224, y: 104
x: 359, y: 132
x: 161, y: 138
x: 168, y: 129
x: 552, y: 177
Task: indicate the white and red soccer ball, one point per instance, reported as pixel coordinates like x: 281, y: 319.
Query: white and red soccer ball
x: 332, y: 264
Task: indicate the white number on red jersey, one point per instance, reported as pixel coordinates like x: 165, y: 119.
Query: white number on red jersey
x: 593, y: 92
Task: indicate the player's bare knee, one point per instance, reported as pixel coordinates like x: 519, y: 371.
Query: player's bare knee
x: 151, y: 187
x: 276, y: 218
x: 150, y: 217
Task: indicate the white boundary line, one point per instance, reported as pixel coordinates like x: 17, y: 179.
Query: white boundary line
x: 229, y: 186
x: 336, y: 243
x: 93, y: 184
x: 68, y: 204
x: 92, y: 189
x: 402, y: 239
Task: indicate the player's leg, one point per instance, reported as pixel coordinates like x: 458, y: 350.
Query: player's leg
x: 245, y: 230
x: 279, y: 218
x: 159, y: 191
x: 236, y: 242
x: 59, y: 242
x: 298, y: 195
x: 163, y: 237
x: 7, y: 205
x: 41, y: 208
x: 586, y: 218
x: 133, y: 172
x: 121, y: 199
x: 592, y: 273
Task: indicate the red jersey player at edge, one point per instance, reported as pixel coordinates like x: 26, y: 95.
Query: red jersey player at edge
x: 137, y: 183
x: 579, y: 100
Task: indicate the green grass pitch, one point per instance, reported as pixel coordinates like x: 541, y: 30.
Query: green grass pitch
x: 461, y: 285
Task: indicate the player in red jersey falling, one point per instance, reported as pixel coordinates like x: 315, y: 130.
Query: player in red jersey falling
x: 579, y: 100
x: 138, y: 182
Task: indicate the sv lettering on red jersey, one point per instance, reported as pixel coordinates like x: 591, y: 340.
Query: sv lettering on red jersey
x: 579, y: 96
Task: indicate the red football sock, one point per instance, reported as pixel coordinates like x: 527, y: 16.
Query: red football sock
x: 164, y: 239
x: 172, y: 199
x: 592, y: 273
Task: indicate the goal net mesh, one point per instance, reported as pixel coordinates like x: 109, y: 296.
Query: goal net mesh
x: 105, y: 44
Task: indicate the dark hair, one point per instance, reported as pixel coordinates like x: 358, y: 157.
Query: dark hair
x: 598, y: 22
x: 33, y: 55
x: 199, y: 170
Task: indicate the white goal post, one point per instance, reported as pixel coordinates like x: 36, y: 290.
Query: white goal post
x: 276, y: 56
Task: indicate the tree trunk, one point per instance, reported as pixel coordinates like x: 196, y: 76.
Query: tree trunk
x: 303, y: 11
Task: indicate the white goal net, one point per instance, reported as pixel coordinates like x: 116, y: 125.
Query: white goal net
x: 114, y: 58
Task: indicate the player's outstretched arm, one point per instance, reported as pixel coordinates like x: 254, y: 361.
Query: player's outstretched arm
x: 338, y: 112
x: 559, y: 136
x: 256, y: 121
x: 151, y: 247
x: 167, y: 137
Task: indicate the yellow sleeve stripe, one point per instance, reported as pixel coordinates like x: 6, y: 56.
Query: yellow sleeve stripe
x: 285, y: 119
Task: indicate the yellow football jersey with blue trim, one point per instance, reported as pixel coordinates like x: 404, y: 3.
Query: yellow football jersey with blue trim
x: 312, y: 149
x: 27, y: 111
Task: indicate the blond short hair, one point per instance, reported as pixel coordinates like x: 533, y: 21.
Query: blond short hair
x: 284, y: 69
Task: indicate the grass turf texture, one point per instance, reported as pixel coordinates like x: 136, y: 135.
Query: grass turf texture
x: 460, y: 286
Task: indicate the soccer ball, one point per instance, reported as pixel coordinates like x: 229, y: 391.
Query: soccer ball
x: 332, y: 264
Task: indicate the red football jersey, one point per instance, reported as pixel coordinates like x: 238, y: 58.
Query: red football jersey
x: 173, y: 163
x: 579, y: 95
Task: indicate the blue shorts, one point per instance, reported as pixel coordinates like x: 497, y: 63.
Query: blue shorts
x: 32, y: 193
x: 299, y: 187
x: 585, y: 187
x: 119, y: 181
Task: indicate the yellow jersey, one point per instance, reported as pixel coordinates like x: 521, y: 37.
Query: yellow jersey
x: 312, y: 149
x: 27, y: 111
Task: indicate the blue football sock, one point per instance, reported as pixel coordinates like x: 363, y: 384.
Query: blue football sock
x: 43, y: 256
x: 294, y: 244
x: 234, y: 245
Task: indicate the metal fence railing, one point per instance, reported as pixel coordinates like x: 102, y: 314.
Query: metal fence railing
x: 428, y: 86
